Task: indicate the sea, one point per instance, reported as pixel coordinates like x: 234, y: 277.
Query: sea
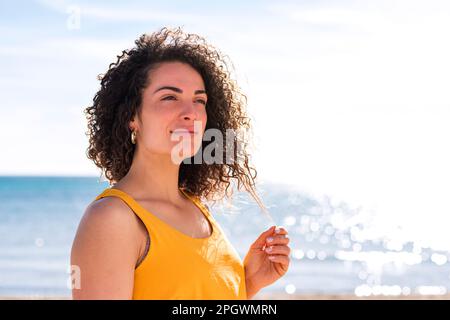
x: 334, y: 248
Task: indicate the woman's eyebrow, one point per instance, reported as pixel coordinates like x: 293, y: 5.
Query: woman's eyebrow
x: 177, y: 90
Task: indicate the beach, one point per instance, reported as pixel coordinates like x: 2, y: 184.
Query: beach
x: 280, y: 296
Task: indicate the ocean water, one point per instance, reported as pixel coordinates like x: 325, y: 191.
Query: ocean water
x: 334, y: 246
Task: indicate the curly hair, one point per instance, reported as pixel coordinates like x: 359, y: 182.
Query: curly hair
x: 119, y: 100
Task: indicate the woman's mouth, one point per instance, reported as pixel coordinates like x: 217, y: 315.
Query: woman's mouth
x: 183, y: 131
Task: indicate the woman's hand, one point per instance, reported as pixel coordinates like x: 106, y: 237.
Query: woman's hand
x: 267, y: 260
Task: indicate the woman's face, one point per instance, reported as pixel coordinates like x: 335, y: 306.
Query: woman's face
x: 175, y: 99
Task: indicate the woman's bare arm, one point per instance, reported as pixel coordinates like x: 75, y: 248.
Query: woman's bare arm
x: 105, y: 250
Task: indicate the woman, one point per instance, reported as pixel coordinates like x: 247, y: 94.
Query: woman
x: 150, y: 236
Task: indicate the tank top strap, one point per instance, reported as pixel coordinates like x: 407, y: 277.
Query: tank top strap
x: 147, y: 219
x: 198, y: 203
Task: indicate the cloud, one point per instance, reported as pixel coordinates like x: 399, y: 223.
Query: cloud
x: 145, y: 13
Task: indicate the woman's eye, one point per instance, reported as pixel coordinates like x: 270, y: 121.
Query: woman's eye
x: 174, y: 98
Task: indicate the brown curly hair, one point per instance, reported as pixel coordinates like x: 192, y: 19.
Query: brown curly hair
x: 119, y: 100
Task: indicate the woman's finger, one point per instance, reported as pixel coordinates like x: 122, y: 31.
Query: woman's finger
x: 282, y: 259
x: 260, y: 241
x: 280, y: 230
x: 280, y: 249
x: 277, y: 239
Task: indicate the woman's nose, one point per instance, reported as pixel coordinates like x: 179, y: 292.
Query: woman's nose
x: 189, y: 112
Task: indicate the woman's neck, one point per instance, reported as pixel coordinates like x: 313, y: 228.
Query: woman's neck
x: 152, y: 176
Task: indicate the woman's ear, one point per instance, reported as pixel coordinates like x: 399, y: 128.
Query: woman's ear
x: 132, y: 124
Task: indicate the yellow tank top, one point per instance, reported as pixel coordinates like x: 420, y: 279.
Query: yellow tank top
x: 178, y: 266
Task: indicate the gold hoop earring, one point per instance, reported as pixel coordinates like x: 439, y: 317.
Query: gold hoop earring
x: 133, y: 137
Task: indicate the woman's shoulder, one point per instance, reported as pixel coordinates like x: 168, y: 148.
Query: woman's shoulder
x: 108, y: 207
x: 110, y: 215
x: 106, y: 246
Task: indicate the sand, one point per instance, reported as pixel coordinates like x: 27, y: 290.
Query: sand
x: 281, y: 296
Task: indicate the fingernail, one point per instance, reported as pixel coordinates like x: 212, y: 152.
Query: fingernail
x: 269, y: 249
x: 270, y: 239
x: 277, y: 230
x: 271, y: 257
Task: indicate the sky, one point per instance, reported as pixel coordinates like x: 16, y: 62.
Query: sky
x: 347, y: 98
